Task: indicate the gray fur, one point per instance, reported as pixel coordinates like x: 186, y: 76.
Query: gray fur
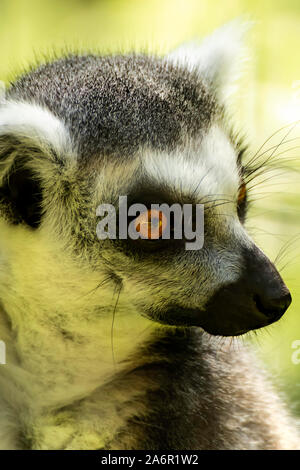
x: 114, y: 104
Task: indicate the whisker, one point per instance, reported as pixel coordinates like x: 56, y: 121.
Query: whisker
x: 105, y: 281
x: 283, y: 140
x: 276, y: 146
x: 284, y: 250
x: 268, y: 179
x: 288, y: 263
x: 272, y: 166
x: 287, y: 150
x: 201, y: 181
x: 257, y: 153
x: 216, y: 205
x: 112, y: 324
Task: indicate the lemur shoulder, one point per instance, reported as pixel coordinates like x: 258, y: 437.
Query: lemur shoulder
x: 115, y: 344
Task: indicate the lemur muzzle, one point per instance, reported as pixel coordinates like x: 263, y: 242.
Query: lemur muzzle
x: 258, y: 298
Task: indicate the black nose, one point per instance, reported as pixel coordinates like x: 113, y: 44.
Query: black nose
x: 273, y: 307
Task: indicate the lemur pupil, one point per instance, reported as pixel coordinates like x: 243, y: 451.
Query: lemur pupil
x: 151, y: 224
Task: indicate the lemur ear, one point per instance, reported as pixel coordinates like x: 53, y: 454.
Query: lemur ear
x: 219, y: 58
x: 31, y: 139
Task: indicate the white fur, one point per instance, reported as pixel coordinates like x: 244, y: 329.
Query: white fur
x: 206, y: 169
x: 33, y: 121
x: 218, y: 58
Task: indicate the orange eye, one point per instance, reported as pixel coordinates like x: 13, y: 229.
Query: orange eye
x: 242, y: 193
x: 151, y: 224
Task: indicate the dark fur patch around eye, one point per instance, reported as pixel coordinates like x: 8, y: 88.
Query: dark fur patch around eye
x: 21, y: 196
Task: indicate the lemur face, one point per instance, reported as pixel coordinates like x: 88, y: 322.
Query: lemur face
x: 81, y: 131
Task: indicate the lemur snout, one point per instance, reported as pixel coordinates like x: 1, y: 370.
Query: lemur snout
x: 258, y: 298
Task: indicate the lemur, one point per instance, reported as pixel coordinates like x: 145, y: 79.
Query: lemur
x: 115, y: 344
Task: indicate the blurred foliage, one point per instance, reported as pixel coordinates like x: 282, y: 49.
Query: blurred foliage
x: 269, y: 99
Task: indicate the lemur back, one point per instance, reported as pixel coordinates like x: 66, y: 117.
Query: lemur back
x: 115, y: 343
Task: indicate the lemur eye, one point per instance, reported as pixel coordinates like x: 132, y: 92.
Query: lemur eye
x: 242, y: 202
x: 151, y: 224
x: 242, y: 194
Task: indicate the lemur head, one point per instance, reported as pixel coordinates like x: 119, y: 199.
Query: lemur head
x: 83, y: 130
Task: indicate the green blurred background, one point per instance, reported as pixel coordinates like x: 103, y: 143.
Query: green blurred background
x: 269, y: 98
